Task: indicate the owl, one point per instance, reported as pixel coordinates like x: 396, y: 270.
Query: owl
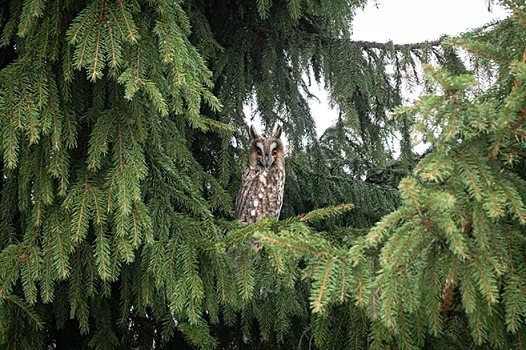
x: 263, y: 181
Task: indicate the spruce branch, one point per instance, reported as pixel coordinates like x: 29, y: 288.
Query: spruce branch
x: 323, y: 213
x: 28, y: 310
x: 235, y: 236
x: 319, y: 301
x: 367, y: 45
x: 517, y: 11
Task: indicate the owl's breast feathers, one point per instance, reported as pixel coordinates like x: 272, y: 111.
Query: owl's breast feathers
x: 261, y: 193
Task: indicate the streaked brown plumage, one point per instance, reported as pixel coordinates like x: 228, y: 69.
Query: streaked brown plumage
x: 263, y: 181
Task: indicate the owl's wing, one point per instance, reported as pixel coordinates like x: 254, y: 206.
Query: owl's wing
x: 247, y: 177
x: 279, y: 179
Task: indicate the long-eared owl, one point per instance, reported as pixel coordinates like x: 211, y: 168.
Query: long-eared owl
x: 263, y: 181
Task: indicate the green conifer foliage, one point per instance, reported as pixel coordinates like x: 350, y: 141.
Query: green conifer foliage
x: 444, y: 270
x: 101, y: 199
x: 451, y: 257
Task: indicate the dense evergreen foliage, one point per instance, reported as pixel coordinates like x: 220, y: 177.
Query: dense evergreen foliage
x: 122, y: 133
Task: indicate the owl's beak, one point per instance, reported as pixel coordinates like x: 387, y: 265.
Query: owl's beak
x: 267, y: 161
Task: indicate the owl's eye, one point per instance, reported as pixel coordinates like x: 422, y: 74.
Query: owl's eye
x: 274, y: 152
x: 258, y: 152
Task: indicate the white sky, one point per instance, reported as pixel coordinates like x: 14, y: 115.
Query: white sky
x: 409, y: 21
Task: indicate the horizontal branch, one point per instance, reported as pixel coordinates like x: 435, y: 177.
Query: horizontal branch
x: 367, y: 45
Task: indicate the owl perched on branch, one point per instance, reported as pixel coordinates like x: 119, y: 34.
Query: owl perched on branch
x: 263, y: 181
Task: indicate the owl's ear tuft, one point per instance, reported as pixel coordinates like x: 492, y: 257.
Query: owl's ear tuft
x: 277, y: 131
x: 253, y: 132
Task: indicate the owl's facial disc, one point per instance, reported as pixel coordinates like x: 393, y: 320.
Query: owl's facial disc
x: 266, y: 156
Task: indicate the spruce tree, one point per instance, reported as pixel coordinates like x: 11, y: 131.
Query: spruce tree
x: 444, y: 270
x: 451, y: 258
